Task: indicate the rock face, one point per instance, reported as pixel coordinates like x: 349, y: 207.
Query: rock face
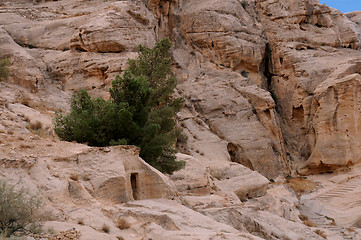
x: 272, y: 89
x: 217, y: 84
x: 239, y: 180
x: 257, y: 75
x: 114, y: 174
x: 291, y: 50
x: 226, y: 34
x: 74, y: 35
x: 314, y: 54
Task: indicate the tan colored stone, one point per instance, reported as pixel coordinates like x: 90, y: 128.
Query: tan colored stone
x: 216, y: 200
x: 194, y: 178
x: 311, y: 46
x: 173, y: 221
x: 342, y: 145
x: 262, y: 223
x: 231, y: 117
x: 24, y: 68
x: 297, y: 105
x: 233, y: 177
x: 225, y: 33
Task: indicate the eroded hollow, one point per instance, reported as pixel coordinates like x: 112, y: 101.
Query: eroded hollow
x: 238, y: 155
x: 232, y: 150
x: 298, y: 114
x: 134, y: 184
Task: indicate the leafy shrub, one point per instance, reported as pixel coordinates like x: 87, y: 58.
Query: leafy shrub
x: 17, y: 209
x: 140, y: 112
x: 93, y: 121
x: 4, y: 68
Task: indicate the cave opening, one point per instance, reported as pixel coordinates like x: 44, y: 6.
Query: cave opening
x: 134, y: 184
x: 232, y: 150
x: 298, y: 114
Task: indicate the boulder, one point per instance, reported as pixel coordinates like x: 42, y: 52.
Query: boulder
x: 233, y: 177
x: 162, y: 218
x: 194, y: 178
x: 24, y: 69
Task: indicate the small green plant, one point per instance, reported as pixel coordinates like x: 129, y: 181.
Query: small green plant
x: 4, y: 68
x: 244, y: 73
x: 17, y: 209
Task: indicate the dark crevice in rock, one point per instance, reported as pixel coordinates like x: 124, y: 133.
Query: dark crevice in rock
x: 298, y: 114
x: 238, y: 155
x: 138, y: 17
x: 266, y: 67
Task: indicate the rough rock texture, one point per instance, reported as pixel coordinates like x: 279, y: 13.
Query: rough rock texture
x: 51, y: 34
x: 335, y: 206
x: 271, y: 88
x: 314, y: 54
x: 254, y: 73
x: 226, y: 34
x: 231, y: 103
x: 300, y: 48
x: 233, y: 177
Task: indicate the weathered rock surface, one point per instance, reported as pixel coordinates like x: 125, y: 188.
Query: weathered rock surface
x: 233, y: 177
x: 74, y: 35
x: 212, y: 82
x: 313, y: 46
x: 253, y: 74
x: 270, y: 87
x: 335, y: 206
x: 194, y: 178
x: 227, y: 34
x: 178, y: 222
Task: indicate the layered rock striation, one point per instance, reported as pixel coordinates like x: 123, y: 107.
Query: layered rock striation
x: 271, y: 88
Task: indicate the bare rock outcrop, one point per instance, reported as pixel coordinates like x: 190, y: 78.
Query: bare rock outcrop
x: 25, y: 69
x: 271, y: 88
x: 227, y: 34
x: 177, y: 222
x: 69, y: 42
x: 301, y: 47
x: 312, y: 46
x: 235, y: 178
x: 224, y: 81
x: 216, y: 96
x: 218, y: 177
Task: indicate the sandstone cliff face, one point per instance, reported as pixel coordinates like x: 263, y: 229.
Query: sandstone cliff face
x: 272, y: 87
x: 69, y: 45
x: 257, y: 74
x: 314, y: 54
x: 235, y: 106
x: 281, y: 114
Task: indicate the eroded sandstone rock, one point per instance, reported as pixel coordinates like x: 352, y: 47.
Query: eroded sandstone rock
x: 311, y: 46
x: 268, y: 84
x: 232, y: 177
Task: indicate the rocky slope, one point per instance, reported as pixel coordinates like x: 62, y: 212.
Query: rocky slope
x: 272, y: 90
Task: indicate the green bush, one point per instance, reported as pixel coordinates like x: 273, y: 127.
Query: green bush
x: 17, y: 209
x: 4, y: 68
x: 94, y: 121
x: 140, y: 112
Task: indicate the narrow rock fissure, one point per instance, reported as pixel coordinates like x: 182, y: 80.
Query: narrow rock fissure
x: 265, y: 68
